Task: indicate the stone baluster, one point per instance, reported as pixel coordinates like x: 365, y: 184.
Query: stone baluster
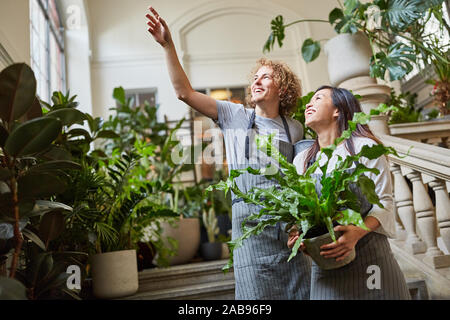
x: 425, y: 217
x: 442, y: 214
x: 405, y: 210
x: 400, y: 232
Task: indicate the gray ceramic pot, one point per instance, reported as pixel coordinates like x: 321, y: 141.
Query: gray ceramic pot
x: 211, y: 250
x: 313, y: 249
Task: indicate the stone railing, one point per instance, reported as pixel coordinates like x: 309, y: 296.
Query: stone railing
x: 435, y: 132
x: 426, y: 227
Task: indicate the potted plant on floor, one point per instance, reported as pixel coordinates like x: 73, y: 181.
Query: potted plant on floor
x: 369, y: 28
x: 29, y: 181
x: 297, y: 202
x: 176, y: 240
x: 211, y: 250
x: 127, y: 209
x: 183, y: 234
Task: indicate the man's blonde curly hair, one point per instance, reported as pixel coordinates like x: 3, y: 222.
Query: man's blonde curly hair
x: 285, y: 79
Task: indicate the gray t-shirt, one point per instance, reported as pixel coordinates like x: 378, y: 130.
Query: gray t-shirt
x: 233, y: 120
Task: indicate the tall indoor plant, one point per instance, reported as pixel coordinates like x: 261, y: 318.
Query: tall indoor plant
x: 29, y: 180
x: 396, y: 35
x: 128, y: 207
x: 140, y: 123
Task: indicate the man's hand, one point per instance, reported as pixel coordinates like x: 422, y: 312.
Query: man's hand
x: 344, y: 244
x: 158, y: 28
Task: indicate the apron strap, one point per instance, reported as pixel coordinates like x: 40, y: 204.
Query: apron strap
x: 251, y: 125
x: 286, y: 128
x: 247, y: 139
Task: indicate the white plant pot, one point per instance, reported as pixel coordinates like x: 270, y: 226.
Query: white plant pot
x: 348, y: 57
x: 186, y: 232
x: 114, y: 274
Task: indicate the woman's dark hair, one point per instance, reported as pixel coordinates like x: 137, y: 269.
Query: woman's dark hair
x: 347, y: 105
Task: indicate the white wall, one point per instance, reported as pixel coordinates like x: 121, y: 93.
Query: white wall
x: 78, y: 52
x: 15, y: 29
x: 218, y: 43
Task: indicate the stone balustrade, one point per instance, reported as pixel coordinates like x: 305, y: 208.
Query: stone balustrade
x: 420, y: 174
x: 435, y: 132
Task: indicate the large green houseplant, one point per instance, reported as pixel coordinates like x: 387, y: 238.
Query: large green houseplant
x: 29, y: 180
x: 397, y: 35
x: 296, y: 200
x: 140, y: 123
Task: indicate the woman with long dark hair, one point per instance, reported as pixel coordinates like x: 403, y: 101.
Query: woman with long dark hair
x: 374, y: 274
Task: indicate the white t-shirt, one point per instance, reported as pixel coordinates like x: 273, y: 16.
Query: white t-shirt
x: 383, y: 181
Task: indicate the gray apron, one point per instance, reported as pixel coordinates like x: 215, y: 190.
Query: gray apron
x: 350, y: 282
x: 261, y: 269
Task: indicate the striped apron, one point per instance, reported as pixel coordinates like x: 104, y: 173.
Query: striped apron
x: 261, y: 269
x: 373, y: 275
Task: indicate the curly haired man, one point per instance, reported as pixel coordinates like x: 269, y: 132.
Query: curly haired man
x: 260, y: 266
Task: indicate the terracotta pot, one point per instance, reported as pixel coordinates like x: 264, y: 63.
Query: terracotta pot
x: 313, y: 249
x: 186, y: 232
x: 114, y: 274
x: 225, y: 251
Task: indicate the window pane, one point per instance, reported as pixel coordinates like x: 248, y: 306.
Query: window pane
x: 220, y: 94
x: 55, y: 58
x: 46, y: 55
x: 132, y: 96
x: 149, y: 97
x: 434, y: 31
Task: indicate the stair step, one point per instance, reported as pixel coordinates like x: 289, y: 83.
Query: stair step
x: 183, y: 275
x: 205, y: 280
x: 417, y: 289
x: 219, y: 290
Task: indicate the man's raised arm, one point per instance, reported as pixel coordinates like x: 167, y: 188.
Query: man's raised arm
x: 183, y: 89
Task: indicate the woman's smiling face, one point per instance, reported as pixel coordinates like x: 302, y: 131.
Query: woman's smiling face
x: 320, y: 110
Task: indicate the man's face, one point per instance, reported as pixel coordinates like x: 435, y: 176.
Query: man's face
x: 263, y: 87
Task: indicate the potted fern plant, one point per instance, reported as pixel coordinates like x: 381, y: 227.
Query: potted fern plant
x: 383, y: 38
x: 296, y: 202
x: 127, y: 209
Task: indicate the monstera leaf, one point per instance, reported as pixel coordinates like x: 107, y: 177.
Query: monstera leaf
x: 398, y: 61
x: 277, y: 34
x: 402, y: 13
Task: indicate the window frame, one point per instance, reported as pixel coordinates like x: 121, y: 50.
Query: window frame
x: 58, y: 35
x: 137, y: 92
